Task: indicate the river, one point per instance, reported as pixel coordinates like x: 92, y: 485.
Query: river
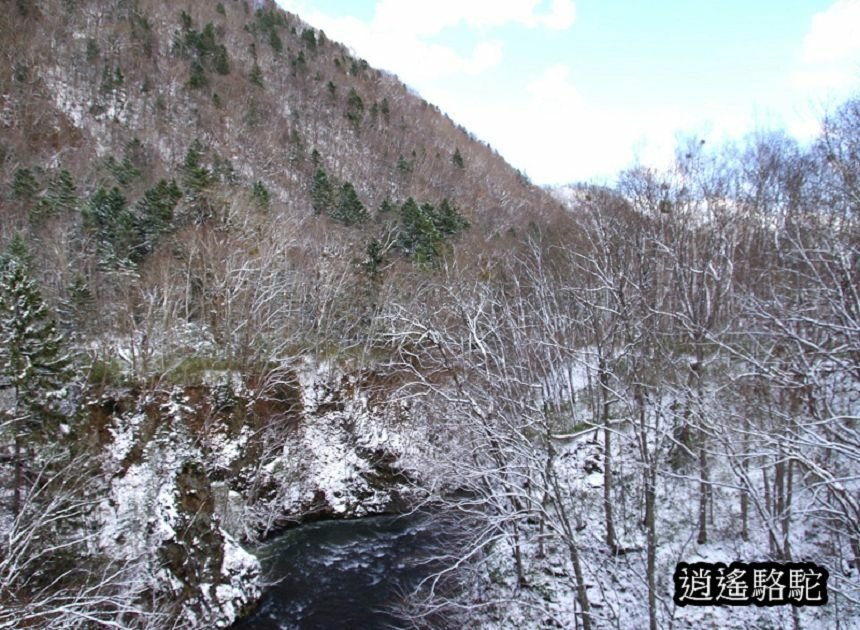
x: 342, y: 573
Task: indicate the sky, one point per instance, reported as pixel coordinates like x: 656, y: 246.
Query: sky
x: 577, y: 90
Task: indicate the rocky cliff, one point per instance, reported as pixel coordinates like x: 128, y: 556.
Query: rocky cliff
x: 195, y: 469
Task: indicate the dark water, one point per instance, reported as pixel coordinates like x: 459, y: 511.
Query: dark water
x: 342, y: 574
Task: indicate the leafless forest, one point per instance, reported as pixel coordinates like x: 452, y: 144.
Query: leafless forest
x: 660, y: 371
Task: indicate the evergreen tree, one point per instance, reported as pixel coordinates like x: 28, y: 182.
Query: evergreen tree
x: 18, y: 252
x: 76, y: 311
x: 197, y: 76
x: 33, y: 362
x: 457, y: 159
x: 155, y: 212
x: 261, y: 195
x: 30, y: 352
x: 404, y: 165
x: 124, y: 172
x: 375, y: 259
x: 256, y: 75
x: 185, y: 20
x: 275, y: 41
x: 448, y: 220
x: 221, y: 60
x: 354, y: 107
x: 24, y: 185
x: 115, y: 229
x: 418, y: 235
x: 349, y: 209
x: 322, y: 195
x: 300, y: 63
x: 60, y: 197
x: 196, y: 177
x: 309, y: 38
x: 205, y: 42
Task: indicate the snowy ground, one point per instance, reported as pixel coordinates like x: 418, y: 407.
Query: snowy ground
x: 617, y: 588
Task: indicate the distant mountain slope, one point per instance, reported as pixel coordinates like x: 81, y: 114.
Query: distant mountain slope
x: 268, y: 98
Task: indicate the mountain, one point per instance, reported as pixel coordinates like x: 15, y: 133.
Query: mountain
x: 266, y: 97
x: 215, y: 201
x: 248, y: 281
x: 137, y: 134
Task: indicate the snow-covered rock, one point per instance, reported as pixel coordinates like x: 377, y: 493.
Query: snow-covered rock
x: 193, y: 469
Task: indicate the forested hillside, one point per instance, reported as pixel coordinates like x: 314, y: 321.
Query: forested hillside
x: 249, y: 281
x: 130, y: 127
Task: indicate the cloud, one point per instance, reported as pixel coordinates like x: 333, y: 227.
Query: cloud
x: 560, y: 136
x: 551, y: 130
x: 560, y: 17
x: 403, y: 37
x: 830, y: 54
x: 422, y: 19
x: 834, y: 34
x: 554, y: 86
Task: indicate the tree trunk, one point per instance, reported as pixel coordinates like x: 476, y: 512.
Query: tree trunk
x: 745, y: 499
x: 611, y: 540
x: 704, y: 484
x: 786, y: 511
x: 570, y: 541
x: 518, y: 558
x: 651, y: 529
x: 16, y: 497
x: 779, y: 498
x: 581, y: 594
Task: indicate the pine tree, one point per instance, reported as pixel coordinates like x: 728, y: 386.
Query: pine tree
x: 275, y: 41
x: 77, y: 310
x: 221, y: 60
x: 354, y: 107
x: 197, y: 76
x: 404, y: 165
x: 375, y: 259
x: 256, y: 75
x: 60, y: 197
x: 114, y: 226
x: 457, y: 159
x: 16, y: 251
x: 418, y: 235
x: 33, y: 362
x: 124, y: 172
x: 24, y: 185
x: 261, y: 196
x: 322, y: 195
x: 196, y: 177
x: 349, y: 209
x: 155, y: 212
x: 31, y: 357
x: 448, y: 220
x: 309, y: 38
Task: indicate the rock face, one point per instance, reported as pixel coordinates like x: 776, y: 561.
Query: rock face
x: 341, y: 458
x: 194, y: 469
x: 160, y: 515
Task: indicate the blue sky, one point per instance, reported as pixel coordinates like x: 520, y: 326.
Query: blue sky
x: 577, y: 90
